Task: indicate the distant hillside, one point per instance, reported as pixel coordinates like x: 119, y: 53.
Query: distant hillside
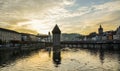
x: 70, y: 37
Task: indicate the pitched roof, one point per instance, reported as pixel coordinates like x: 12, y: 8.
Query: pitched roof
x: 56, y: 30
x: 7, y: 30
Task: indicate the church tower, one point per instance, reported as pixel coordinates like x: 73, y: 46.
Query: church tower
x: 100, y: 30
x: 56, y: 36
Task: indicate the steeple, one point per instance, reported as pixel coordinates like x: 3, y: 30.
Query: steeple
x: 100, y: 30
x: 56, y: 30
x: 100, y: 26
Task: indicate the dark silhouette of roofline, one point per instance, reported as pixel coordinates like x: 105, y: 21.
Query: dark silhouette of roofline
x: 7, y: 30
x: 56, y: 30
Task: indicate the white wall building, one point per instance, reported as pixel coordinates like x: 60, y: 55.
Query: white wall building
x: 117, y: 36
x: 8, y: 35
x: 29, y: 37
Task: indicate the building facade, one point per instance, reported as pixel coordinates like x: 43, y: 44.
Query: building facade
x: 9, y: 35
x: 29, y: 37
x: 117, y: 35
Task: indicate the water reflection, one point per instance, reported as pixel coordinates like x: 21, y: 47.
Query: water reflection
x: 56, y: 56
x: 49, y: 51
x: 7, y: 57
x: 101, y: 55
x: 73, y: 59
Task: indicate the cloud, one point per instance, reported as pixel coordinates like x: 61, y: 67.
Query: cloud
x: 69, y: 2
x: 89, y: 18
x: 41, y: 15
x: 29, y: 31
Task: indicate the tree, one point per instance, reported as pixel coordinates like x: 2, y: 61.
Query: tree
x: 93, y: 34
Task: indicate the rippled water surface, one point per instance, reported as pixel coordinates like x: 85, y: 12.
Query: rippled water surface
x: 65, y: 60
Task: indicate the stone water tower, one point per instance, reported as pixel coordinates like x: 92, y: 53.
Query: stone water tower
x: 56, y: 36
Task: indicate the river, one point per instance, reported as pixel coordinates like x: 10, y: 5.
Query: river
x: 66, y: 59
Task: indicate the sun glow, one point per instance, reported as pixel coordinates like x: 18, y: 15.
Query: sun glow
x: 39, y: 26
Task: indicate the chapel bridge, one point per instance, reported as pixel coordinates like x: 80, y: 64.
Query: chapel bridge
x: 84, y: 43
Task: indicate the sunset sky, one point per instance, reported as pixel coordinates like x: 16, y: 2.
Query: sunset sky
x: 72, y: 16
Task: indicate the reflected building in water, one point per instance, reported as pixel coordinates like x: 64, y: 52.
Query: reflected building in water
x: 101, y: 54
x: 56, y: 56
